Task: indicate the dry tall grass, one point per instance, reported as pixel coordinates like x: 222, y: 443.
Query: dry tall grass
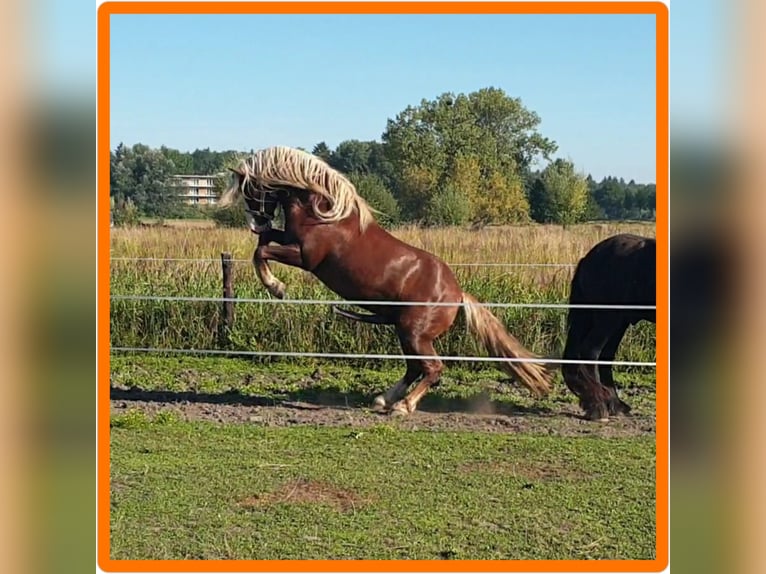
x: 316, y: 328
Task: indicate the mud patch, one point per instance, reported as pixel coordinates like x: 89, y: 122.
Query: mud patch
x: 303, y: 491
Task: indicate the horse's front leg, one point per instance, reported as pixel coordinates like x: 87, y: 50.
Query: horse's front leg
x: 287, y: 254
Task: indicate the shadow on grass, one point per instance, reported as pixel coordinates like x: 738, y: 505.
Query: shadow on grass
x: 312, y: 399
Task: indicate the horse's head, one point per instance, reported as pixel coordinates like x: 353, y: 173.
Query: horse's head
x: 260, y: 204
x: 280, y: 174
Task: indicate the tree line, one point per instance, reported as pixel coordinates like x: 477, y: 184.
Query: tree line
x: 455, y: 160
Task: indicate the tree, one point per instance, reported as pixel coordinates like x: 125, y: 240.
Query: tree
x: 610, y: 195
x: 593, y: 211
x: 182, y: 161
x: 561, y: 193
x: 415, y: 189
x: 374, y: 191
x: 495, y: 198
x: 143, y: 176
x: 351, y: 156
x: 204, y: 162
x: 322, y: 151
x: 120, y: 175
x: 430, y: 140
x: 646, y: 201
x: 502, y: 200
x: 447, y: 207
x: 124, y: 212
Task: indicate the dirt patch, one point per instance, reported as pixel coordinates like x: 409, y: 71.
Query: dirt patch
x: 563, y: 420
x: 306, y: 492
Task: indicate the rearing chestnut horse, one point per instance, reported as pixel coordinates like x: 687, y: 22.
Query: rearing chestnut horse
x: 330, y: 232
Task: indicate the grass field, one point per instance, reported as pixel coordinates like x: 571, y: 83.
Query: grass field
x: 251, y: 492
x: 226, y: 458
x: 258, y: 327
x: 285, y: 480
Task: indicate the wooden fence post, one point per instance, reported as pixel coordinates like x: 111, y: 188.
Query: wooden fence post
x: 228, y: 306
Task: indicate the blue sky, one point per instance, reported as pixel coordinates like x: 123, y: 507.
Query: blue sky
x: 251, y: 81
x: 601, y: 132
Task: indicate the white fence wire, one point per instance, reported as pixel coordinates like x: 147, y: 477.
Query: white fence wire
x: 540, y: 360
x: 126, y: 297
x: 298, y: 354
x: 218, y: 260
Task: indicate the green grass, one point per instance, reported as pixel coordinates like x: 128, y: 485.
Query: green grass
x: 209, y: 491
x: 314, y: 328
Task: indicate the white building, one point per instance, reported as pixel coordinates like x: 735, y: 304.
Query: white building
x: 197, y: 189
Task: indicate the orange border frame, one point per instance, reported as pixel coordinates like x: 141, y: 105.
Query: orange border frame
x: 660, y: 11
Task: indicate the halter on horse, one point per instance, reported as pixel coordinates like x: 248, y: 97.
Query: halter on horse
x: 330, y: 231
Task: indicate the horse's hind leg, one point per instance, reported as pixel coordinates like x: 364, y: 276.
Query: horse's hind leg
x: 595, y: 402
x: 384, y: 401
x: 431, y: 369
x: 392, y: 395
x: 578, y: 378
x: 418, y: 328
x: 614, y: 404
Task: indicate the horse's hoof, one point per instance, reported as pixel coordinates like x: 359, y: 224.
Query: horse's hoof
x: 597, y: 413
x: 617, y: 407
x: 379, y: 404
x: 400, y: 409
x: 280, y: 290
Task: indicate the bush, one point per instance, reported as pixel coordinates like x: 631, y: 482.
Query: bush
x: 124, y: 212
x: 232, y: 216
x: 378, y: 196
x: 447, y: 207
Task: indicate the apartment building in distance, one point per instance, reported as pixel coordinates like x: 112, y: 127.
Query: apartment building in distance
x: 197, y: 189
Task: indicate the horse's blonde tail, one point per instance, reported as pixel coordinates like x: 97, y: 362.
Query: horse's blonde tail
x: 500, y: 343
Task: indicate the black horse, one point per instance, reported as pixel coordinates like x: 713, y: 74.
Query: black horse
x: 620, y: 270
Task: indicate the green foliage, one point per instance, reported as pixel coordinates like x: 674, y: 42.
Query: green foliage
x: 501, y: 200
x: 481, y: 142
x: 480, y: 146
x: 315, y: 328
x: 447, y: 207
x: 124, y: 212
x: 143, y: 175
x: 232, y: 216
x: 351, y: 156
x: 560, y: 194
x: 322, y: 151
x: 617, y: 199
x: 374, y: 191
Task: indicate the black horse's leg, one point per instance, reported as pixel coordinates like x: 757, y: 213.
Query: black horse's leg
x: 576, y: 375
x: 614, y: 404
x: 595, y: 401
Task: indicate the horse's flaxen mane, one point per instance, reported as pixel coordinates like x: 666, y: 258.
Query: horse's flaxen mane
x: 283, y: 166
